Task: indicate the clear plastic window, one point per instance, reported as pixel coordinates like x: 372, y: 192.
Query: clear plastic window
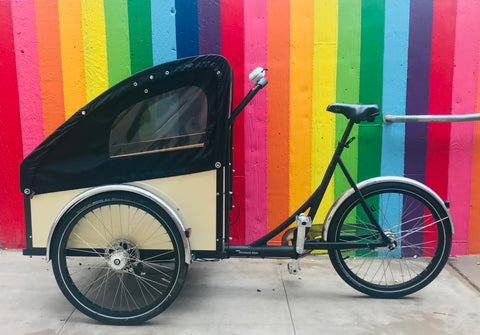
x: 170, y: 121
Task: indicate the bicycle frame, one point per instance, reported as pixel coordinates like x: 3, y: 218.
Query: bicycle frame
x: 259, y: 248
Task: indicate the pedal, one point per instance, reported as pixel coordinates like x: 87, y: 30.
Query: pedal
x: 294, y: 267
x: 303, y: 222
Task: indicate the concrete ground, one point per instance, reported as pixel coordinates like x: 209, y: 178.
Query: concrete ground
x: 250, y: 296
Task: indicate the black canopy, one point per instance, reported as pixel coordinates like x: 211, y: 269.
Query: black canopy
x: 168, y: 120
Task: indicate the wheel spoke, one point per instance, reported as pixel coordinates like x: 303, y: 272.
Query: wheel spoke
x: 414, y: 225
x: 119, y: 258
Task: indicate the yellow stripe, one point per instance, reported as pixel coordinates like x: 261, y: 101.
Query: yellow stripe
x: 95, y: 47
x: 301, y: 74
x: 71, y: 42
x: 324, y: 87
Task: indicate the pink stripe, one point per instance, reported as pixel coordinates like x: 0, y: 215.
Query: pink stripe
x: 28, y: 75
x: 255, y: 123
x: 464, y: 96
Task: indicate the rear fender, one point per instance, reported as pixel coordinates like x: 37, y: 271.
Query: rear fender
x: 336, y: 205
x: 123, y: 188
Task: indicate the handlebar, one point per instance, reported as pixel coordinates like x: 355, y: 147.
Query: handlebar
x: 257, y: 76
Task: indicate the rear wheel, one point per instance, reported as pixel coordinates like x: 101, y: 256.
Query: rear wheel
x: 420, y: 240
x: 119, y: 258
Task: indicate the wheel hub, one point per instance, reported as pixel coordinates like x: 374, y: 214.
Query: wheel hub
x: 118, y: 260
x: 121, y: 254
x: 393, y: 240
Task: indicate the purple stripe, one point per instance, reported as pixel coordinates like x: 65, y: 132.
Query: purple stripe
x: 416, y: 134
x: 419, y: 48
x: 412, y: 218
x: 209, y: 37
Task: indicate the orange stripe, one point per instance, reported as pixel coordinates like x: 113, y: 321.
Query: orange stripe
x: 301, y: 75
x: 50, y: 64
x: 474, y: 229
x: 71, y: 37
x: 278, y: 112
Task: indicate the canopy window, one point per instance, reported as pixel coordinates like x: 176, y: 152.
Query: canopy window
x: 170, y: 121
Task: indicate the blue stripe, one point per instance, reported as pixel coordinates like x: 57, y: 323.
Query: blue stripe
x: 395, y: 63
x: 164, y: 43
x: 395, y: 84
x: 187, y: 27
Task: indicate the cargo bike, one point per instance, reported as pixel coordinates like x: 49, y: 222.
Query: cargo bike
x: 138, y: 184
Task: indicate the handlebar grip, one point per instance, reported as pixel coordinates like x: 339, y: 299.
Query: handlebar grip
x: 257, y: 74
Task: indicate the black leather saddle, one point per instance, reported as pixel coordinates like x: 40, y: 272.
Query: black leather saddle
x: 356, y: 112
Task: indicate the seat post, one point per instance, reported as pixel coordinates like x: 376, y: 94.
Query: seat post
x: 343, y: 141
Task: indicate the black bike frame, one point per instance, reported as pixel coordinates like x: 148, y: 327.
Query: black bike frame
x: 259, y: 248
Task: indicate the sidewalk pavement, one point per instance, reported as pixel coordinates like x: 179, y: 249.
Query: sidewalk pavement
x: 251, y: 296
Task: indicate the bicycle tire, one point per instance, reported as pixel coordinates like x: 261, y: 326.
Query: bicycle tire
x: 119, y: 258
x: 418, y: 226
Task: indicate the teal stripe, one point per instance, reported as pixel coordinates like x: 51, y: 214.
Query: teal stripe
x: 348, y: 78
x: 371, y: 81
x: 140, y: 24
x: 164, y: 43
x: 397, y: 19
x: 118, y: 43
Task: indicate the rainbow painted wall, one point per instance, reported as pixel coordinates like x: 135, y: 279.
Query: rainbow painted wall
x: 410, y: 57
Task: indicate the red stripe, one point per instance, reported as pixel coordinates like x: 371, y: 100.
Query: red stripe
x: 12, y: 233
x: 441, y: 80
x: 233, y: 47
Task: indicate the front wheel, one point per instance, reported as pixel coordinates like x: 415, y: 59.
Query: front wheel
x: 419, y: 231
x: 118, y: 258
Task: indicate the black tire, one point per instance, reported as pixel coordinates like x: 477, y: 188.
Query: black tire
x: 119, y: 258
x: 414, y: 219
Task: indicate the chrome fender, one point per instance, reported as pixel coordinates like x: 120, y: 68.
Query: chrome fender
x: 379, y: 180
x: 124, y: 188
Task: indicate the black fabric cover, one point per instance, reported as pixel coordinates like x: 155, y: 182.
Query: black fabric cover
x: 76, y: 155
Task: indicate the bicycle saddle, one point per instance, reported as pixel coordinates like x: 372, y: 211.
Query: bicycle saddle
x: 355, y: 112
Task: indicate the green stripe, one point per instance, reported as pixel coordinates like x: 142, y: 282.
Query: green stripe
x: 118, y: 43
x: 140, y: 23
x: 348, y: 80
x: 371, y: 82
